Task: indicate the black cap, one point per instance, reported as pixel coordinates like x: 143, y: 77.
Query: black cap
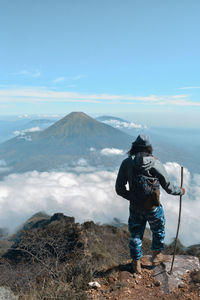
x: 142, y: 141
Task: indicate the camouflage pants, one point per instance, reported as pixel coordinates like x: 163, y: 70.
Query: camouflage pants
x: 137, y: 223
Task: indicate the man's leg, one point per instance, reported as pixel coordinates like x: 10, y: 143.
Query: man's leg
x: 136, y: 226
x: 156, y: 219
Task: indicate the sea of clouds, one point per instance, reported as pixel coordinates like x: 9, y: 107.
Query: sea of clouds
x: 90, y: 195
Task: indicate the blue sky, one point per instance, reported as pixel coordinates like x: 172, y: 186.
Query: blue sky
x: 133, y: 58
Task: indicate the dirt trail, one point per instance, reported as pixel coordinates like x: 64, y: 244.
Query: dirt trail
x: 119, y: 283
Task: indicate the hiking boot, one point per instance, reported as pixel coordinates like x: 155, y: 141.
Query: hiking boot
x: 158, y: 258
x: 136, y: 266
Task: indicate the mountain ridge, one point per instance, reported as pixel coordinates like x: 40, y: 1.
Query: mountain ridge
x: 66, y: 140
x: 76, y: 123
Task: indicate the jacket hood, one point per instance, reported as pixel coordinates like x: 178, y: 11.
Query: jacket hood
x: 143, y: 161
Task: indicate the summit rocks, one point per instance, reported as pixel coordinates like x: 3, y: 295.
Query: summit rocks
x: 56, y: 255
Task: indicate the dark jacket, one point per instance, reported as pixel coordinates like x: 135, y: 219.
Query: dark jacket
x: 150, y: 166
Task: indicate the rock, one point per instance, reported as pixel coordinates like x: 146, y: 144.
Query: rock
x: 61, y: 216
x: 7, y: 294
x: 196, y: 277
x: 182, y: 264
x: 111, y: 280
x: 181, y: 285
x: 124, y: 275
x: 128, y: 291
x: 136, y: 281
x: 157, y: 283
x: 94, y: 284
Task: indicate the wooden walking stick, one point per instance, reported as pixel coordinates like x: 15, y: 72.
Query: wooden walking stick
x: 179, y: 220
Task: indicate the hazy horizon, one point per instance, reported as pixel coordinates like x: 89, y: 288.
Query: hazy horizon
x: 150, y: 119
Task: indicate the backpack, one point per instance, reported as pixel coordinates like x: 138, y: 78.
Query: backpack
x: 146, y: 190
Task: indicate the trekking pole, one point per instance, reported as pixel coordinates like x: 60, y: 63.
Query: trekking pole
x: 179, y: 220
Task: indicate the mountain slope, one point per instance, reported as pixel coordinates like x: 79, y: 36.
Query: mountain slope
x: 66, y: 256
x: 69, y: 138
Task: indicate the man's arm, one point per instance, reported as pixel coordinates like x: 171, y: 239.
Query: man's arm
x: 121, y: 182
x: 165, y: 181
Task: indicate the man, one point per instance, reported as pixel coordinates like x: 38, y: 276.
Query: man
x: 144, y: 174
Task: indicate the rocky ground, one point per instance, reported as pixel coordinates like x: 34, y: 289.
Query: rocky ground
x: 120, y: 284
x: 56, y: 258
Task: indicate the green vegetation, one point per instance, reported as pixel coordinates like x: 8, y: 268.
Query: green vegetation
x: 56, y: 257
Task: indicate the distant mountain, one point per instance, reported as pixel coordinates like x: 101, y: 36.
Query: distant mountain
x: 40, y: 122
x: 77, y: 133
x: 168, y: 143
x: 71, y: 137
x: 10, y: 128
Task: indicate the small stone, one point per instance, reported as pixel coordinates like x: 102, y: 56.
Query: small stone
x: 6, y: 293
x: 157, y: 283
x: 128, y: 292
x: 136, y: 281
x: 196, y: 277
x: 181, y: 285
x: 94, y: 284
x: 110, y: 279
x: 149, y: 285
x: 124, y: 275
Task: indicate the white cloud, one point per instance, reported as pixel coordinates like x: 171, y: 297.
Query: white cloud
x: 54, y: 116
x: 2, y: 163
x: 184, y: 103
x: 111, y: 151
x: 59, y: 79
x: 85, y: 196
x: 23, y: 132
x: 25, y: 116
x: 3, y: 166
x: 67, y: 78
x: 71, y: 86
x: 27, y: 138
x: 189, y: 87
x: 22, y: 72
x: 80, y: 166
x: 91, y: 196
x: 190, y: 226
x: 121, y: 124
x: 46, y: 95
x: 76, y: 77
x: 34, y: 74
